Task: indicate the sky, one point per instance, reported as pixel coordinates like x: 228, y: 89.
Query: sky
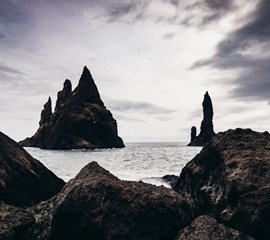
x: 152, y: 61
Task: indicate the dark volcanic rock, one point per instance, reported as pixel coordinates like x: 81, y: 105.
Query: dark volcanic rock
x: 24, y: 181
x: 97, y: 205
x: 15, y: 223
x: 207, y: 228
x: 171, y: 180
x: 46, y: 113
x: 193, y: 133
x: 207, y: 129
x: 80, y: 120
x: 230, y: 179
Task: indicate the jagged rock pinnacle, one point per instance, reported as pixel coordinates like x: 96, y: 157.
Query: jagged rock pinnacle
x: 46, y: 113
x: 193, y: 133
x: 64, y: 94
x: 87, y: 89
x: 207, y: 129
x: 80, y: 120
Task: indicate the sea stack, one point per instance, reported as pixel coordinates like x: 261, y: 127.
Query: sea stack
x: 80, y: 120
x: 207, y: 129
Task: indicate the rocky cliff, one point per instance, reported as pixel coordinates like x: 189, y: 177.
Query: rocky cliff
x: 80, y: 120
x: 24, y: 181
x: 207, y: 129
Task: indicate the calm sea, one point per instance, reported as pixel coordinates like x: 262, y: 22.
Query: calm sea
x: 146, y: 162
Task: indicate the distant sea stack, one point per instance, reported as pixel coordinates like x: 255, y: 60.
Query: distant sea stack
x: 207, y: 129
x: 80, y: 120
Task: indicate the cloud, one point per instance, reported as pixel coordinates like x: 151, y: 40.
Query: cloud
x: 140, y: 107
x: 7, y: 69
x: 245, y: 52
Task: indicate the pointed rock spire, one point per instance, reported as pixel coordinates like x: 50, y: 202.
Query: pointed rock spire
x: 207, y: 129
x: 63, y: 95
x: 46, y: 113
x: 80, y: 120
x: 87, y: 89
x: 193, y: 133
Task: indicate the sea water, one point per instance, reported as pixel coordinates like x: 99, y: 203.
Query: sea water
x: 147, y: 162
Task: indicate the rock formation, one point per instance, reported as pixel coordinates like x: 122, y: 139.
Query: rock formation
x: 193, y: 133
x: 24, y: 181
x: 229, y: 179
x: 206, y: 227
x: 96, y: 205
x: 207, y: 129
x: 80, y: 120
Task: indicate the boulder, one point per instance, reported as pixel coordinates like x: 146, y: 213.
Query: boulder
x: 207, y: 128
x: 15, y: 223
x: 229, y: 179
x: 24, y: 181
x: 80, y: 120
x: 97, y: 205
x: 207, y: 228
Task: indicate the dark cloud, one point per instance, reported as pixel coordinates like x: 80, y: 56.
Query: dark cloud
x: 127, y: 105
x: 209, y: 11
x: 246, y: 51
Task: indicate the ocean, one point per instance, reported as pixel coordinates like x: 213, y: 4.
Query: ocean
x: 146, y: 162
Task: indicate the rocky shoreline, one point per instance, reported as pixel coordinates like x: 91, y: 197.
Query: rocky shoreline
x: 223, y: 193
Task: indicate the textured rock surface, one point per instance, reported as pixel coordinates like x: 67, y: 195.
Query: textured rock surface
x: 24, y: 181
x: 97, y: 205
x: 207, y: 228
x: 15, y: 223
x: 80, y: 120
x: 207, y: 129
x: 230, y: 178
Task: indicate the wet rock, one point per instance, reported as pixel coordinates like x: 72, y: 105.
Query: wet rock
x: 170, y: 179
x: 97, y: 205
x: 207, y: 228
x: 80, y: 120
x: 24, y: 181
x: 207, y: 129
x: 230, y: 179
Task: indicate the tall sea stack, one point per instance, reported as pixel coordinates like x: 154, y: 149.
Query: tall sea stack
x: 80, y: 120
x: 207, y: 129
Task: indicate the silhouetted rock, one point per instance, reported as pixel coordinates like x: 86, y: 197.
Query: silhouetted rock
x: 63, y: 95
x: 207, y: 129
x: 96, y: 205
x: 170, y: 179
x: 230, y: 179
x: 46, y: 113
x: 193, y: 133
x: 80, y: 120
x: 24, y: 181
x: 207, y: 228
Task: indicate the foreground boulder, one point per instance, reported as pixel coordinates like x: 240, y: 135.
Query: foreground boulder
x: 97, y: 205
x: 15, y: 223
x: 24, y: 181
x: 80, y: 120
x: 230, y: 179
x: 207, y: 128
x: 207, y: 228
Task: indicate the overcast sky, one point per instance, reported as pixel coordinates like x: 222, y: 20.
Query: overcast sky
x: 152, y: 61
